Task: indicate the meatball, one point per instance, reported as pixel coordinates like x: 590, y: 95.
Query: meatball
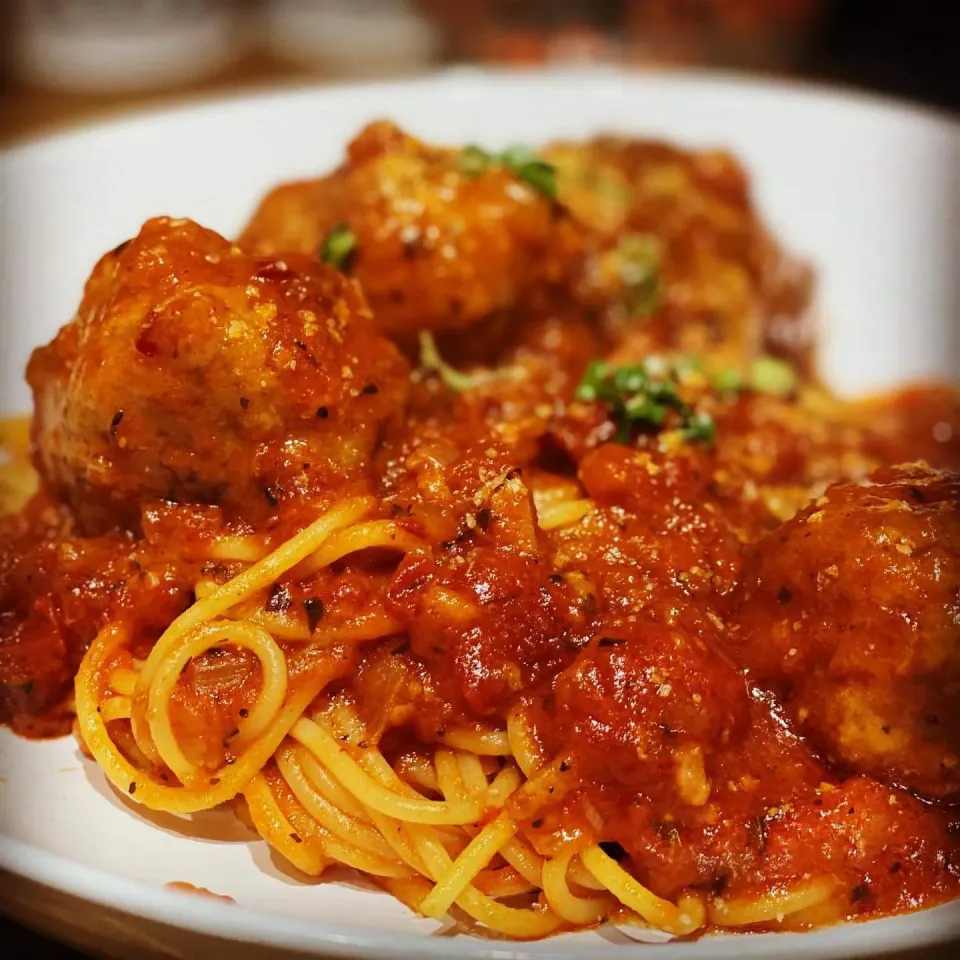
x: 194, y: 372
x: 652, y: 540
x: 436, y: 247
x: 696, y: 258
x: 646, y: 705
x: 850, y: 613
x: 774, y: 454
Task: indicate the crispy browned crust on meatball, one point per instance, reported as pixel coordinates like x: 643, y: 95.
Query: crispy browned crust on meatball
x: 851, y: 613
x: 726, y: 286
x: 436, y: 248
x: 195, y: 372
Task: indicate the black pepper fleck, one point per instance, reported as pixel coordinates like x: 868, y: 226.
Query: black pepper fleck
x: 860, y: 892
x: 613, y: 850
x: 609, y: 642
x: 314, y: 610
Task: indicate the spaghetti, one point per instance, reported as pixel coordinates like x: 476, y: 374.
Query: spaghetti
x: 574, y: 637
x: 320, y: 792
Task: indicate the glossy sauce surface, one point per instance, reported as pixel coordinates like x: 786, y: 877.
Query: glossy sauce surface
x: 734, y: 631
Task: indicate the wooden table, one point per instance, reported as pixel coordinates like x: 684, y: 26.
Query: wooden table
x: 29, y: 112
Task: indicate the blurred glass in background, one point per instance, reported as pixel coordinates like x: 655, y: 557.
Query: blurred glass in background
x: 64, y: 59
x: 97, y: 45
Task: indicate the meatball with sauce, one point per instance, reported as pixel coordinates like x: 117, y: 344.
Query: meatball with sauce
x: 850, y: 613
x: 646, y: 705
x: 196, y: 373
x: 688, y: 251
x: 438, y: 243
x: 651, y: 539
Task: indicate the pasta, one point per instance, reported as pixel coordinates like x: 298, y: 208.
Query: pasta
x: 600, y: 609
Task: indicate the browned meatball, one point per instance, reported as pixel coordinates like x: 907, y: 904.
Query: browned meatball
x: 436, y: 247
x: 851, y: 613
x: 194, y: 372
x: 697, y: 260
x: 646, y: 705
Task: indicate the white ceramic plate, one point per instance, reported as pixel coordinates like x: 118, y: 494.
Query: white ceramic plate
x: 869, y: 191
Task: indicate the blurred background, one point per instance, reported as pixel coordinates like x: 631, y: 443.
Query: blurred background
x: 65, y: 61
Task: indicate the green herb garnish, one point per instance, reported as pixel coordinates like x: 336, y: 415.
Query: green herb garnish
x: 700, y: 427
x: 519, y: 159
x: 456, y: 380
x: 640, y: 395
x: 769, y: 375
x: 772, y: 375
x: 729, y: 381
x: 517, y: 155
x: 639, y: 257
x: 540, y: 175
x: 474, y: 160
x: 338, y: 246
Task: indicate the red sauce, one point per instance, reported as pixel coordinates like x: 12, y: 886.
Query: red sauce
x: 181, y: 886
x: 772, y: 605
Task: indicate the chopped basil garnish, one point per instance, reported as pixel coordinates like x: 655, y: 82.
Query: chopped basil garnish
x: 456, y: 380
x: 520, y: 160
x: 338, y: 246
x: 640, y: 395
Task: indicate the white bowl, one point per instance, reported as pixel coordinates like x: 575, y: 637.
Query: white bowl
x: 869, y: 191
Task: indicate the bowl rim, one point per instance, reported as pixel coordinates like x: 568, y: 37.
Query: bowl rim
x: 730, y: 80
x: 232, y: 922
x: 268, y: 929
